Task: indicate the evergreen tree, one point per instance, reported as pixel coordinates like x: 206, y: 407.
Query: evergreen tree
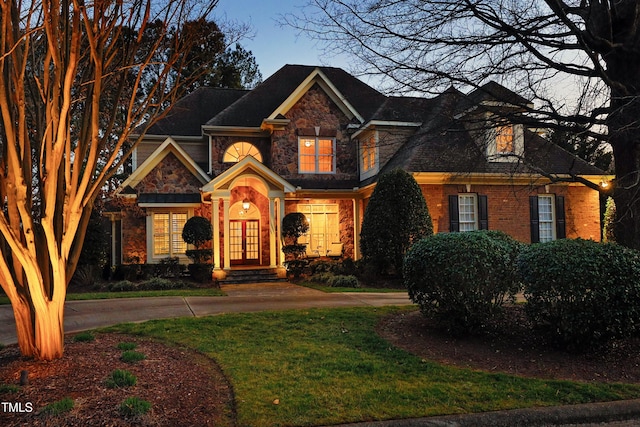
x: 395, y: 218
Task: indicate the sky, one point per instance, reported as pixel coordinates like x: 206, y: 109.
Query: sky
x: 274, y: 46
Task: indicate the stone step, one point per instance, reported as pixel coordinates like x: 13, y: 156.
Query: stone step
x: 262, y: 275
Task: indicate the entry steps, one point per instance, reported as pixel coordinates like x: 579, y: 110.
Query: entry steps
x: 258, y: 275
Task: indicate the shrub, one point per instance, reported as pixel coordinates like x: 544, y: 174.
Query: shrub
x: 120, y: 378
x: 197, y: 231
x: 294, y: 225
x: 581, y: 293
x: 609, y: 221
x: 131, y: 356
x: 396, y: 217
x: 342, y: 281
x: 59, y: 407
x: 123, y: 286
x: 134, y: 407
x: 84, y: 337
x: 127, y: 346
x: 160, y: 284
x: 201, y: 273
x: 322, y: 277
x: 462, y: 279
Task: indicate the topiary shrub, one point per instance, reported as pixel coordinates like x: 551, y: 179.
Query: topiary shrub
x: 294, y: 225
x: 462, y: 280
x: 580, y: 293
x: 396, y: 217
x: 197, y: 231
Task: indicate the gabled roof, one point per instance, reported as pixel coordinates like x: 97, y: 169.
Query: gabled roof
x: 269, y: 99
x: 169, y: 146
x: 251, y: 166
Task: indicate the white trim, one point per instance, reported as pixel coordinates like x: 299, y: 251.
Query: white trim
x: 474, y: 199
x: 152, y: 258
x: 168, y: 146
x: 317, y: 76
x: 384, y: 123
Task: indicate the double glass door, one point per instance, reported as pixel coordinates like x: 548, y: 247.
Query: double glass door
x: 244, y: 241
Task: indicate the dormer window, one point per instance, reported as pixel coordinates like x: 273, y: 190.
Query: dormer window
x: 505, y: 142
x: 368, y: 155
x: 504, y: 139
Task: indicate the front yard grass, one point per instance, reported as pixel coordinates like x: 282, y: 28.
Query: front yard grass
x: 328, y: 366
x: 203, y: 292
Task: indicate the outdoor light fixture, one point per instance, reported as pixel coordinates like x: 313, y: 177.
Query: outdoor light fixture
x: 246, y: 204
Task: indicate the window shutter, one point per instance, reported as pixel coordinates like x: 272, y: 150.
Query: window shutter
x: 533, y: 211
x: 560, y: 218
x: 454, y: 215
x: 483, y: 213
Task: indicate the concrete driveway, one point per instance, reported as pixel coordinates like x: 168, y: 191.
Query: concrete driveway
x: 83, y: 315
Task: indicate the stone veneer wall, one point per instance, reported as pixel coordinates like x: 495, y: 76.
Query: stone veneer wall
x: 169, y: 176
x: 315, y: 108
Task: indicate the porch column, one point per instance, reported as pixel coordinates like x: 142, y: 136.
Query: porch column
x: 227, y: 252
x: 215, y: 220
x: 280, y: 216
x: 356, y: 229
x: 273, y: 232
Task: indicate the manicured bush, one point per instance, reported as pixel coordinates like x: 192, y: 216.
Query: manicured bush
x: 396, y: 217
x: 581, y: 293
x: 294, y: 225
x: 160, y: 284
x: 462, y: 280
x: 323, y: 277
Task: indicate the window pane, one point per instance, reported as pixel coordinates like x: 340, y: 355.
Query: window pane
x: 467, y: 212
x: 316, y: 155
x: 545, y: 218
x: 504, y: 139
x: 161, y: 234
x: 178, y: 245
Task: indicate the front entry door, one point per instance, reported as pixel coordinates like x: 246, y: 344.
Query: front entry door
x: 244, y: 238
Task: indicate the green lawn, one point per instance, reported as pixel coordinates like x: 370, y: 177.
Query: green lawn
x: 328, y: 366
x: 204, y: 292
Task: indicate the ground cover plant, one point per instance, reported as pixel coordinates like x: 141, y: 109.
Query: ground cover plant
x: 336, y: 369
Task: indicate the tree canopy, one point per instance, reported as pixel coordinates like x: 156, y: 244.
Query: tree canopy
x: 577, y: 60
x: 79, y: 79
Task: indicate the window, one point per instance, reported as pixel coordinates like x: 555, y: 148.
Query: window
x: 368, y: 154
x: 468, y: 212
x: 316, y: 155
x: 504, y: 139
x: 547, y: 218
x: 239, y: 151
x: 324, y: 227
x: 167, y: 234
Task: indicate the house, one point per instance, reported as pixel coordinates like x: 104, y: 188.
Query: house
x: 314, y: 140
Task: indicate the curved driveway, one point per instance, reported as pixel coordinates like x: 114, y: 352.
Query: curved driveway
x: 83, y: 315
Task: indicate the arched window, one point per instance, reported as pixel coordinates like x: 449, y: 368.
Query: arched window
x: 239, y: 151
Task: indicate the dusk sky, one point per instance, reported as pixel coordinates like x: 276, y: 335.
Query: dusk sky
x: 274, y: 46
